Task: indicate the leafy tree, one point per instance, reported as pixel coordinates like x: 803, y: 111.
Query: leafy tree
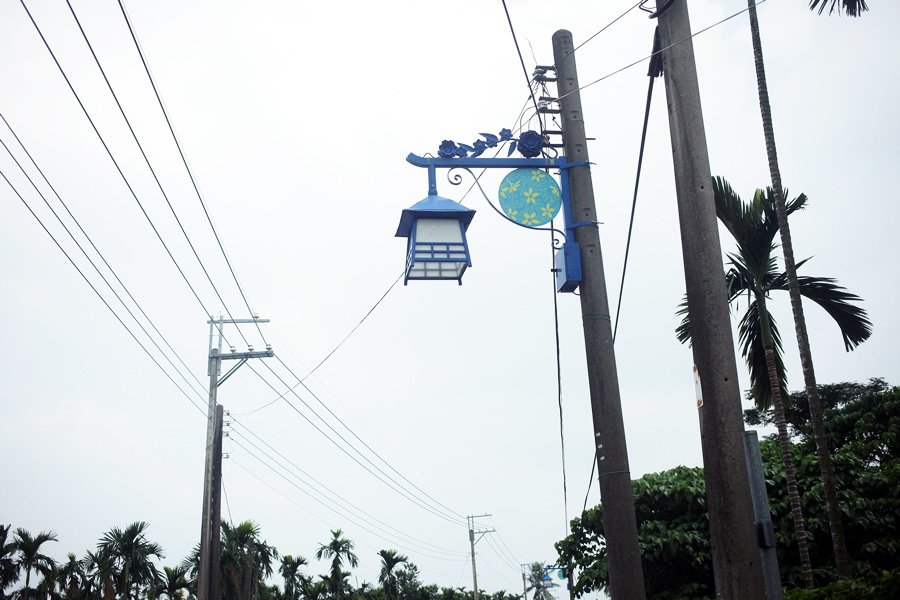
x: 129, y: 555
x: 31, y: 559
x: 535, y: 580
x: 409, y: 584
x: 72, y: 578
x: 9, y: 568
x: 390, y: 559
x: 863, y: 423
x: 339, y: 550
x: 246, y: 561
x: 853, y: 8
x: 753, y: 274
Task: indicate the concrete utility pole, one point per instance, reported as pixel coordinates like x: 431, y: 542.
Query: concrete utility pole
x: 626, y: 576
x: 524, y: 582
x: 736, y: 561
x: 765, y: 529
x: 472, y: 542
x: 208, y: 584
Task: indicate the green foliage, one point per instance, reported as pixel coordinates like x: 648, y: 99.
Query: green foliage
x: 673, y: 527
x: 880, y: 586
x: 863, y: 428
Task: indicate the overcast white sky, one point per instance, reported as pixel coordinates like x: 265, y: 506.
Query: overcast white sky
x: 296, y: 118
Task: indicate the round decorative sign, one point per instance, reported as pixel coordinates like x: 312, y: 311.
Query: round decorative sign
x: 530, y: 197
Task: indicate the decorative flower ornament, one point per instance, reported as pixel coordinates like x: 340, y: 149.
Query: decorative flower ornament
x: 530, y: 145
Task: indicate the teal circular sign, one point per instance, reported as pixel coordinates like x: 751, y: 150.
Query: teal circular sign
x: 530, y: 197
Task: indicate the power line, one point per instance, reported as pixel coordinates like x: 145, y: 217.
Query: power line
x: 672, y: 45
x: 333, y: 496
x: 363, y: 442
x: 394, y: 485
x: 185, y: 162
x: 149, y: 165
x: 521, y: 60
x: 99, y: 295
x: 99, y: 254
x: 328, y: 506
x: 113, y: 159
x: 608, y: 25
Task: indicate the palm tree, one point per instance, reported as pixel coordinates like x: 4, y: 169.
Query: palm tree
x: 853, y: 8
x: 290, y: 570
x: 9, y: 568
x: 338, y: 550
x: 389, y: 560
x: 536, y: 584
x: 176, y: 581
x: 72, y: 578
x: 30, y: 557
x: 246, y: 560
x: 98, y: 576
x: 753, y: 273
x: 128, y: 555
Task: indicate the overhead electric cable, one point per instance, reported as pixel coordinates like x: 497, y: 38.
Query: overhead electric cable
x: 508, y: 550
x: 368, y: 447
x: 337, y: 500
x: 521, y: 60
x: 113, y: 159
x: 607, y: 26
x: 99, y: 295
x: 149, y: 165
x: 672, y: 45
x: 399, y: 489
x: 562, y: 437
x: 97, y: 269
x: 331, y: 508
x: 185, y: 162
x: 499, y: 554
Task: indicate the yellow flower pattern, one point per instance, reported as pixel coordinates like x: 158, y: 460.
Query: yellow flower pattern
x: 530, y: 197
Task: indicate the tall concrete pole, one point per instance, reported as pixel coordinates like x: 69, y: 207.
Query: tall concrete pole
x: 763, y: 517
x: 626, y: 575
x: 472, y: 547
x: 736, y: 561
x: 203, y: 577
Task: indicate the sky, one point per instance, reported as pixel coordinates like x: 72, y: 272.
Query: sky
x: 296, y: 118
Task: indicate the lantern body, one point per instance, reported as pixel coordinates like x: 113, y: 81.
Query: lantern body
x: 436, y: 247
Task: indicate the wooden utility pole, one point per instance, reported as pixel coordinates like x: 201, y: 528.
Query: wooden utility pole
x: 626, y: 576
x: 736, y: 560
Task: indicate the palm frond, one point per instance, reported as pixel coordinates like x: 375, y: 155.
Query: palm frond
x: 754, y: 353
x: 852, y: 320
x: 853, y: 8
x: 683, y: 332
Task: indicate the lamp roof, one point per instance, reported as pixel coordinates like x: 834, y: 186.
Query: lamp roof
x: 433, y: 207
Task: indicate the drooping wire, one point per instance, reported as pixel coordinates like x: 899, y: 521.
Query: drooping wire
x: 654, y: 71
x: 114, y: 161
x: 147, y: 162
x: 99, y: 254
x: 99, y: 295
x: 367, y: 446
x: 608, y: 25
x: 521, y: 60
x: 185, y: 162
x: 332, y: 496
x: 389, y: 481
x: 672, y: 45
x: 562, y: 437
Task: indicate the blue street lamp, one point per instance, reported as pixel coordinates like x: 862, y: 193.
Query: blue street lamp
x: 435, y: 227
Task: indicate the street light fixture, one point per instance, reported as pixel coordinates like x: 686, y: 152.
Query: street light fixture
x: 435, y: 228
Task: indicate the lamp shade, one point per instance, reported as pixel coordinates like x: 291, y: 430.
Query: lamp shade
x: 436, y: 247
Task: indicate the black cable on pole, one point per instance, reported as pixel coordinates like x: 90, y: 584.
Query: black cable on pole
x: 521, y: 60
x: 562, y: 437
x: 185, y: 162
x: 149, y: 165
x: 654, y: 71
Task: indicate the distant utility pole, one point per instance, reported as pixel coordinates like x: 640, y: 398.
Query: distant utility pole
x: 472, y: 541
x: 525, y: 568
x: 626, y: 576
x: 208, y: 585
x: 736, y: 560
